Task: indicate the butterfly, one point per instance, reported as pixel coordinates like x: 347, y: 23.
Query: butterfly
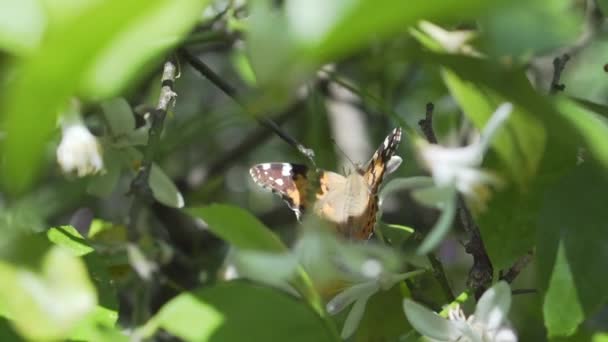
x: 349, y: 203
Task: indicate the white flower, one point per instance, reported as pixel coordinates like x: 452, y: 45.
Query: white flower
x: 361, y: 292
x: 450, y: 41
x: 488, y: 324
x: 459, y: 167
x: 79, y: 150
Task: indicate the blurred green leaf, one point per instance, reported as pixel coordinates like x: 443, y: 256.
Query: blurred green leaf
x: 146, y: 38
x: 102, y: 185
x: 119, y: 116
x: 98, y: 61
x: 571, y: 248
x: 238, y: 227
x: 238, y: 311
x: 163, y: 188
x: 68, y: 237
x: 47, y: 305
x: 508, y: 226
x: 22, y: 25
x: 538, y: 25
x: 310, y: 33
x: 384, y: 319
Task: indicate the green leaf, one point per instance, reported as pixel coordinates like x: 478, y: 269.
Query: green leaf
x: 508, y: 226
x: 384, y: 319
x: 163, y: 188
x: 348, y: 25
x: 119, y: 116
x: 538, y: 25
x: 562, y: 294
x: 145, y: 40
x: 103, y: 184
x: 21, y: 26
x: 49, y: 304
x: 238, y: 227
x: 238, y: 311
x: 68, y: 237
x: 571, y: 248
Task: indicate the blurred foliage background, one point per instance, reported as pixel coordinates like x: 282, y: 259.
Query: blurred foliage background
x: 109, y: 253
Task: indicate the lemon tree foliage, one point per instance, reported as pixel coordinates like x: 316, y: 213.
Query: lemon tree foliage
x: 128, y: 212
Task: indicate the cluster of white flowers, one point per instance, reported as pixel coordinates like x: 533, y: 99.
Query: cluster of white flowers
x: 487, y: 324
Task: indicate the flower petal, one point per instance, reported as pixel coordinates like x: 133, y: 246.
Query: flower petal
x: 498, y: 118
x: 429, y: 323
x: 351, y: 294
x: 354, y: 317
x: 493, y: 306
x: 441, y: 228
x: 505, y: 335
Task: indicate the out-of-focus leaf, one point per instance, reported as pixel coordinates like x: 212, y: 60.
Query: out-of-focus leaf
x: 238, y: 227
x: 68, y: 237
x: 119, y: 116
x: 154, y: 31
x: 584, y: 75
x: 571, y: 246
x: 331, y: 29
x: 49, y: 304
x: 97, y: 60
x: 538, y: 25
x: 508, y: 226
x: 103, y: 184
x: 238, y: 311
x: 21, y: 26
x: 310, y: 33
x: 384, y: 318
x: 163, y: 188
x: 520, y: 144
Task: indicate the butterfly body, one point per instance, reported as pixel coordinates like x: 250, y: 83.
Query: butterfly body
x: 349, y: 203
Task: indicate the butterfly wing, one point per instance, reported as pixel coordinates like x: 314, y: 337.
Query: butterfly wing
x: 377, y: 166
x: 287, y: 180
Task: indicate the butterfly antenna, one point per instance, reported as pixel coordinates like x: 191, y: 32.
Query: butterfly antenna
x: 356, y: 166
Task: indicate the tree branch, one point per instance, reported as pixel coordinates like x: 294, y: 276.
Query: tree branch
x: 139, y: 186
x: 229, y: 90
x: 517, y: 267
x: 426, y: 124
x: 559, y: 63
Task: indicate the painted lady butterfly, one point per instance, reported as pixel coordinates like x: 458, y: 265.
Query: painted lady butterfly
x: 350, y: 203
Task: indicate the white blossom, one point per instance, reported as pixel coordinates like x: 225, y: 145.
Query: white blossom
x: 487, y: 324
x: 459, y: 167
x: 359, y: 293
x: 79, y: 150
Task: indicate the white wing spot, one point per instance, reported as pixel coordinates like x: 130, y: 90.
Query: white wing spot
x: 286, y: 171
x: 279, y: 182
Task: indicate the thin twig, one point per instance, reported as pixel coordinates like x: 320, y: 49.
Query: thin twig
x: 229, y: 90
x: 426, y: 124
x: 517, y: 267
x: 481, y: 273
x: 559, y: 63
x: 439, y: 274
x: 139, y: 185
x: 524, y: 291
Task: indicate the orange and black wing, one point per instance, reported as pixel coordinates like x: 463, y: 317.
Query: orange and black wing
x: 287, y: 180
x: 376, y: 167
